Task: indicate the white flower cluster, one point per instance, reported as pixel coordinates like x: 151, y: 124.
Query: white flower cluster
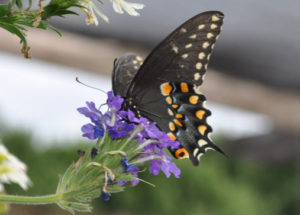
x: 89, y: 8
x: 12, y: 170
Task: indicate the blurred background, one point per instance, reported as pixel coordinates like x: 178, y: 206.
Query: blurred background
x: 252, y: 85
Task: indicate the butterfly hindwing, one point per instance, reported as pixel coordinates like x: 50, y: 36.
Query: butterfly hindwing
x: 189, y: 121
x: 125, y: 69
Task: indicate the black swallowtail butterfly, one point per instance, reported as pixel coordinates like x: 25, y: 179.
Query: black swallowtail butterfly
x: 165, y: 87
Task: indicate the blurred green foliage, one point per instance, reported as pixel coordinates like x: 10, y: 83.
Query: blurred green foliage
x: 218, y: 186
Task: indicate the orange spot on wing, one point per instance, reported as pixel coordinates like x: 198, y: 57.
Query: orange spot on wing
x: 172, y: 126
x: 177, y: 122
x: 184, y: 87
x: 202, y: 129
x: 172, y: 136
x: 179, y: 116
x: 166, y: 89
x: 200, y: 114
x: 175, y: 106
x: 181, y: 153
x: 193, y: 99
x: 169, y: 100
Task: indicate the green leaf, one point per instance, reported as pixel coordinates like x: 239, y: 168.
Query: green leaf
x: 55, y: 29
x: 4, y: 10
x: 29, y: 5
x: 15, y: 30
x: 19, y: 4
x: 125, y: 177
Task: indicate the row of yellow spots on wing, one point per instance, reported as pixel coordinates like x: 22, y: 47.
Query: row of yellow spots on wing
x: 181, y: 153
x: 166, y: 88
x: 206, y: 45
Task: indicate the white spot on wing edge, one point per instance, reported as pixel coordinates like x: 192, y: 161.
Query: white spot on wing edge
x: 200, y: 27
x: 198, y: 66
x: 209, y: 35
x: 205, y: 45
x: 183, y: 30
x: 188, y: 45
x: 194, y: 36
x: 197, y: 76
x: 213, y: 26
x: 139, y: 58
x: 184, y: 56
x: 195, y: 152
x: 170, y: 112
x: 197, y: 90
x: 202, y: 142
x: 208, y: 148
x: 214, y: 18
x: 199, y: 156
x: 201, y: 55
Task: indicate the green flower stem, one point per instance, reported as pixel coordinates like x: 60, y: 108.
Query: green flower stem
x: 35, y: 200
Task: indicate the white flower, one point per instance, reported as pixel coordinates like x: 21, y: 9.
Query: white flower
x: 129, y: 7
x: 12, y: 170
x: 88, y: 8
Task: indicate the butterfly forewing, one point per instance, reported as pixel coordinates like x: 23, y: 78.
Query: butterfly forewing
x: 183, y: 55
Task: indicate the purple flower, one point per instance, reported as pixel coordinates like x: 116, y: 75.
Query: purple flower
x: 92, y: 132
x: 127, y: 167
x: 134, y: 172
x: 104, y: 195
x: 91, y: 112
x: 120, y: 129
x: 114, y: 102
x: 165, y: 165
x: 89, y: 130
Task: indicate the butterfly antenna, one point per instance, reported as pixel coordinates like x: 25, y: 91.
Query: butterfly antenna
x: 80, y: 82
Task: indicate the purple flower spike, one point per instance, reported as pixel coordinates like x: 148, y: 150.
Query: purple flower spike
x: 114, y: 102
